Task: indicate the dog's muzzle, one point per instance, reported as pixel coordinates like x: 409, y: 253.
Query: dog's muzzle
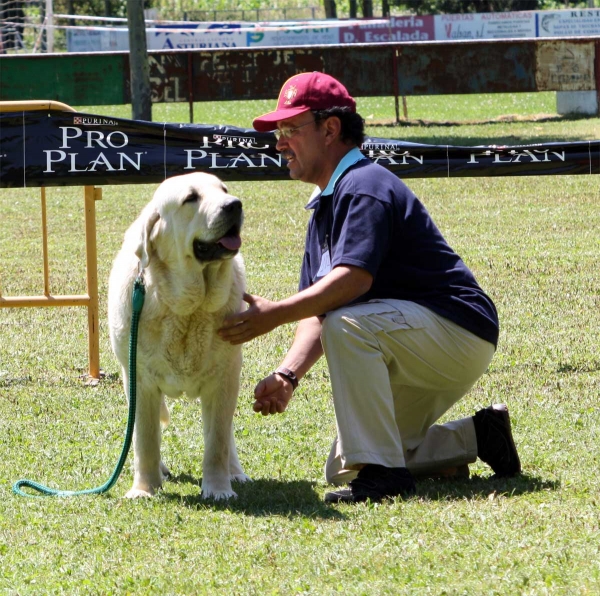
x: 228, y: 245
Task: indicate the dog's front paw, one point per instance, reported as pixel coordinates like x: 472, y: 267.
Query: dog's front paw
x: 218, y: 495
x: 240, y: 478
x: 138, y: 493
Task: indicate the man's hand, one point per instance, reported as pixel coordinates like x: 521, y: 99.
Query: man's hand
x: 260, y: 317
x: 272, y: 395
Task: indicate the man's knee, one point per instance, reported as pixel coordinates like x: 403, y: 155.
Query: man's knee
x: 333, y: 322
x: 346, y: 331
x: 336, y: 326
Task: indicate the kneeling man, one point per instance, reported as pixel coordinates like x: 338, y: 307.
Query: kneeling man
x: 404, y: 325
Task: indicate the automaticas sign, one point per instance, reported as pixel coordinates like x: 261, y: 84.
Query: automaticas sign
x: 51, y: 148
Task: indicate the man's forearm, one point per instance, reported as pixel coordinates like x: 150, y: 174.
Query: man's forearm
x: 306, y: 348
x: 340, y: 286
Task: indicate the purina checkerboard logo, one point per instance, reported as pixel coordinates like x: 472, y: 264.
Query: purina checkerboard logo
x: 94, y: 121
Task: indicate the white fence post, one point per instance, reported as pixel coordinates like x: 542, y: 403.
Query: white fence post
x: 49, y: 27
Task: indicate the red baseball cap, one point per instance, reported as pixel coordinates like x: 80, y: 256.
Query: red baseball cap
x: 302, y: 93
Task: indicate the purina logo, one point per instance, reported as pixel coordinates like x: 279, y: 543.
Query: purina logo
x: 93, y: 121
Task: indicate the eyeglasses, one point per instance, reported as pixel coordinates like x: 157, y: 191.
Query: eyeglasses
x: 288, y: 133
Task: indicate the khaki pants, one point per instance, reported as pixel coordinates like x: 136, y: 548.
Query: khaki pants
x: 396, y: 367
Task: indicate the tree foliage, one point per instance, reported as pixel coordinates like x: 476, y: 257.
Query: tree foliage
x: 464, y: 6
x: 174, y: 8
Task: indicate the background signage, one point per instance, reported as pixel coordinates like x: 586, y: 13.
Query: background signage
x: 52, y: 148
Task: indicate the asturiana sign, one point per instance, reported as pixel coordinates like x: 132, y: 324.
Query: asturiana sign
x: 205, y: 35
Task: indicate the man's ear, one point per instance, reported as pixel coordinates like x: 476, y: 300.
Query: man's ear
x: 144, y: 248
x: 333, y: 129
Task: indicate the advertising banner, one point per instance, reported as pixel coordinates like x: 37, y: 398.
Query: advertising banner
x: 97, y: 39
x: 410, y: 28
x: 568, y: 23
x: 52, y: 148
x: 203, y: 35
x: 442, y: 27
x: 565, y: 66
x: 492, y: 25
x: 292, y: 34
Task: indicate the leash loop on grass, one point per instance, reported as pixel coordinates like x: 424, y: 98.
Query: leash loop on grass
x: 137, y: 302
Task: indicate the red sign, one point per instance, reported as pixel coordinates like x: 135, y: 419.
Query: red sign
x: 408, y: 28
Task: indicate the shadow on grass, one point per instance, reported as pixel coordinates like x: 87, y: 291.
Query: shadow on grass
x: 298, y: 498
x: 481, y: 488
x: 16, y: 381
x: 508, y: 118
x: 460, y: 140
x: 262, y: 497
x: 499, y: 140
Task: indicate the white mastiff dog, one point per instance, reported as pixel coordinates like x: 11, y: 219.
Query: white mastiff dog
x: 186, y: 240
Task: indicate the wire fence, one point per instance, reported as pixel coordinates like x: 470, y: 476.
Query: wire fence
x: 12, y: 26
x: 25, y: 27
x: 258, y: 14
x: 22, y: 26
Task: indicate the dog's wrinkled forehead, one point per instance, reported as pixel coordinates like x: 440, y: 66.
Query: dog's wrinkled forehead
x: 197, y: 192
x: 189, y: 188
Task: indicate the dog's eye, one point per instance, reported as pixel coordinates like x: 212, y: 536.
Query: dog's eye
x: 192, y: 197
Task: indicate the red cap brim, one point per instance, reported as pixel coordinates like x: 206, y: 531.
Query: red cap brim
x: 268, y: 122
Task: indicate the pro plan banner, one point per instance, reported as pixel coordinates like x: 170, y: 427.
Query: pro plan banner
x: 53, y: 148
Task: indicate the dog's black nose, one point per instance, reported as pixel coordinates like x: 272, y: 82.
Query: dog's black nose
x: 234, y: 206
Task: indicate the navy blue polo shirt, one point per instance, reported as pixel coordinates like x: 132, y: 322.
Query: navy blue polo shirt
x: 367, y: 217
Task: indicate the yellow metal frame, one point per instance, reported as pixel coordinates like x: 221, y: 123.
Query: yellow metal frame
x: 89, y: 300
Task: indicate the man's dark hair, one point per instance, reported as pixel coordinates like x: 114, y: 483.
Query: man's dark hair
x: 353, y: 125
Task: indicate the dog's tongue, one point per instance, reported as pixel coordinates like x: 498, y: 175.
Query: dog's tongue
x: 230, y: 242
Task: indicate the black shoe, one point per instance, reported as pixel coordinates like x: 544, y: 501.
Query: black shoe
x: 495, y: 444
x: 375, y: 482
x: 453, y: 473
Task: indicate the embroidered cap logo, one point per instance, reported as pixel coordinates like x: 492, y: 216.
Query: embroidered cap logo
x: 290, y: 93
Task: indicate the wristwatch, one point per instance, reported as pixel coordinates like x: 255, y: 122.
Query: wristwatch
x: 288, y: 374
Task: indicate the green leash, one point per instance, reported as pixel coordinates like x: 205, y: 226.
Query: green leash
x: 139, y: 293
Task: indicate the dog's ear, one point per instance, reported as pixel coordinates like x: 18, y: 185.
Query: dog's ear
x: 143, y: 249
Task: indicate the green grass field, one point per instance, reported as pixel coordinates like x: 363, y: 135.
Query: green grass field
x: 533, y: 244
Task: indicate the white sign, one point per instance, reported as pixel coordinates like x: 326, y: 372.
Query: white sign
x: 293, y: 34
x: 569, y: 23
x: 492, y: 25
x: 205, y: 35
x: 97, y: 40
